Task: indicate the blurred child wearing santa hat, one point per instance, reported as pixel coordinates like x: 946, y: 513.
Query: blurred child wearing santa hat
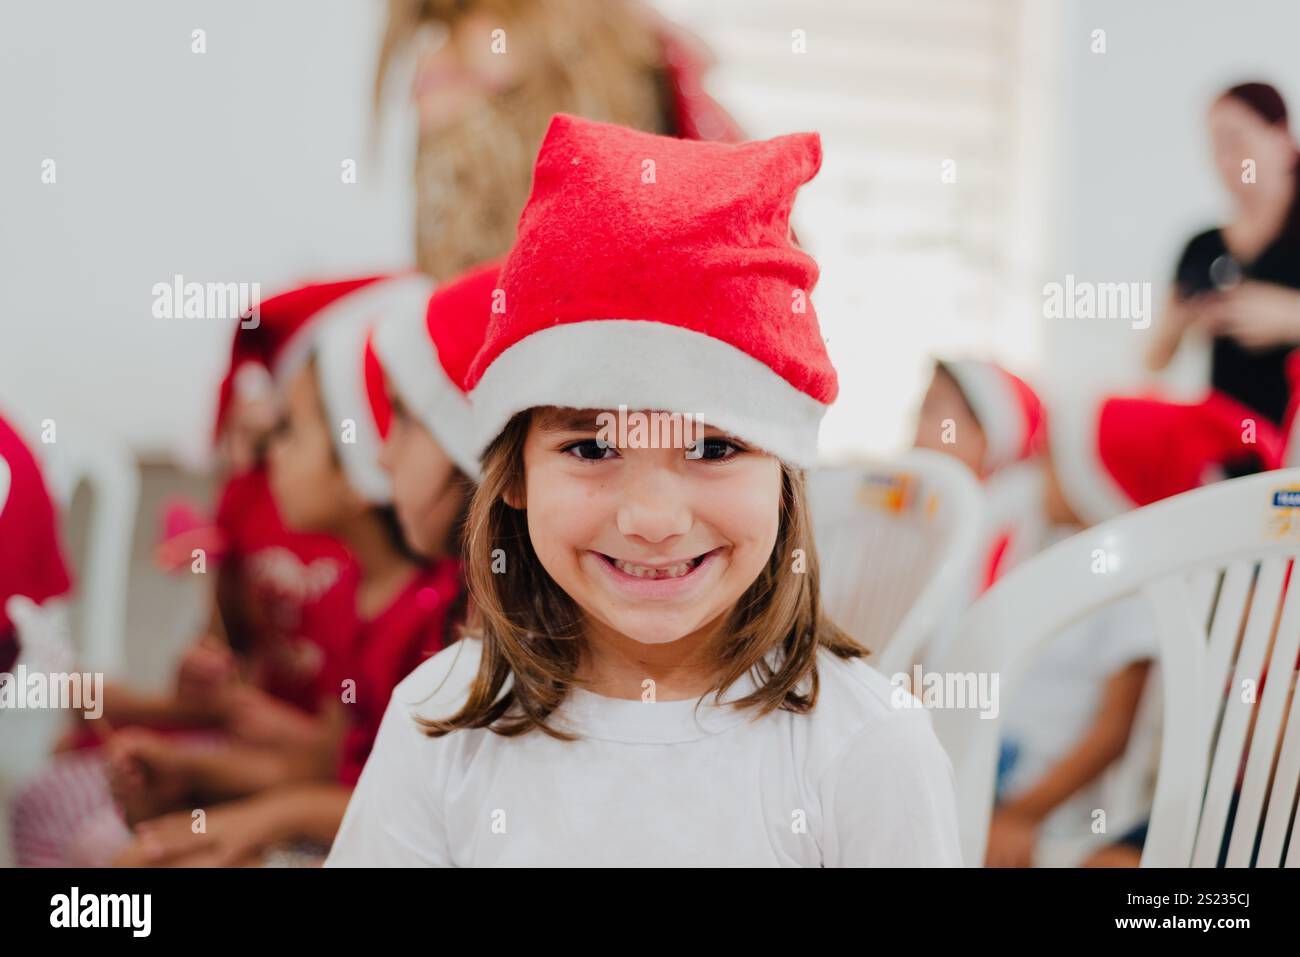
x: 285, y: 601
x: 1071, y: 715
x: 993, y: 422
x: 411, y: 367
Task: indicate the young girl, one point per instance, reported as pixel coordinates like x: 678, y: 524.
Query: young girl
x: 651, y: 681
x: 430, y: 457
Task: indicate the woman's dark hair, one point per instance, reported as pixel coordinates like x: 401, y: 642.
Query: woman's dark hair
x: 1267, y: 103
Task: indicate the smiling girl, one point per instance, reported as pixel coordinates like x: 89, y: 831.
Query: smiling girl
x: 649, y: 679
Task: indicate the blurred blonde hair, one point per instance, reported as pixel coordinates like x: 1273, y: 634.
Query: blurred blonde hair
x: 600, y: 60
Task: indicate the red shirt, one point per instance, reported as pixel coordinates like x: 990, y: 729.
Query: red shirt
x: 31, y: 559
x: 388, y: 648
x: 296, y: 592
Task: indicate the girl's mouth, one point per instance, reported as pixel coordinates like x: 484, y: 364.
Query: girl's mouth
x: 674, y: 570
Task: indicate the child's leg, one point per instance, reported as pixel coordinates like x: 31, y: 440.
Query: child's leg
x: 1117, y: 855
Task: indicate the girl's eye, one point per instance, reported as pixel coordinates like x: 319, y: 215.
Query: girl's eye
x: 591, y: 450
x: 714, y: 450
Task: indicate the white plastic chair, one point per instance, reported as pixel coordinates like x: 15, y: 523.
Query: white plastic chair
x: 897, y: 545
x: 110, y: 472
x: 1213, y: 565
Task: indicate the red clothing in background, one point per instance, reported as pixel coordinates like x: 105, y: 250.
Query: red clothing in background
x: 31, y: 559
x: 388, y: 648
x: 295, y: 593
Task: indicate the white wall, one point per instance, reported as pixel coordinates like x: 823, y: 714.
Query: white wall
x: 1135, y: 177
x: 222, y: 166
x: 225, y: 166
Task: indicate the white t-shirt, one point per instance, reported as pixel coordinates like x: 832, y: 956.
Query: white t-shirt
x: 855, y: 783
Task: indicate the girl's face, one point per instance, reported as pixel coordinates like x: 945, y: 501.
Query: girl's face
x: 426, y: 498
x: 648, y: 542
x: 310, y: 489
x: 947, y: 425
x: 458, y: 70
x: 1238, y: 133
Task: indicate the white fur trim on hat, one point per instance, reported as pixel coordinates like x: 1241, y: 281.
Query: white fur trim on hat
x: 410, y: 360
x: 996, y: 408
x: 646, y: 365
x: 383, y: 297
x: 1089, y: 488
x: 340, y: 371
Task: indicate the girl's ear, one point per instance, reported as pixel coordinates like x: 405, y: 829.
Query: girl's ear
x: 514, y: 497
x: 512, y: 492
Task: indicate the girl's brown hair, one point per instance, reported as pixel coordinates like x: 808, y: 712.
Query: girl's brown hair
x: 531, y: 630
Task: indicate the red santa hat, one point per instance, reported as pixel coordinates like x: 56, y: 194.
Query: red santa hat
x: 282, y: 336
x: 428, y: 355
x: 1124, y: 452
x: 356, y: 409
x: 31, y: 557
x: 348, y: 373
x: 659, y: 274
x: 1007, y: 409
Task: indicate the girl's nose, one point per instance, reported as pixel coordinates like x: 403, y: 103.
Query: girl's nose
x: 654, y: 506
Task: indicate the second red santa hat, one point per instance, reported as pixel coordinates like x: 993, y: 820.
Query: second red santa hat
x: 659, y: 274
x: 1007, y: 409
x: 1124, y: 452
x: 427, y: 357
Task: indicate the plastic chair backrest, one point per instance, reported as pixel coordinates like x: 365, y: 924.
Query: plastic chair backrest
x: 110, y: 473
x: 897, y: 544
x: 1215, y: 568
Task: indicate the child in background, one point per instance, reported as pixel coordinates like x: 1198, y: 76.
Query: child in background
x: 1070, y: 716
x: 283, y: 594
x: 651, y: 681
x: 424, y: 418
x: 482, y: 114
x: 32, y: 568
x: 31, y: 561
x: 280, y: 595
x: 282, y: 598
x: 992, y: 422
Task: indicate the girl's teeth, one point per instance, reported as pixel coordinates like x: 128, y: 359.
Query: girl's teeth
x: 641, y: 571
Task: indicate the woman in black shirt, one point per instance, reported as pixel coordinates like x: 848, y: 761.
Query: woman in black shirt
x: 1239, y: 282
